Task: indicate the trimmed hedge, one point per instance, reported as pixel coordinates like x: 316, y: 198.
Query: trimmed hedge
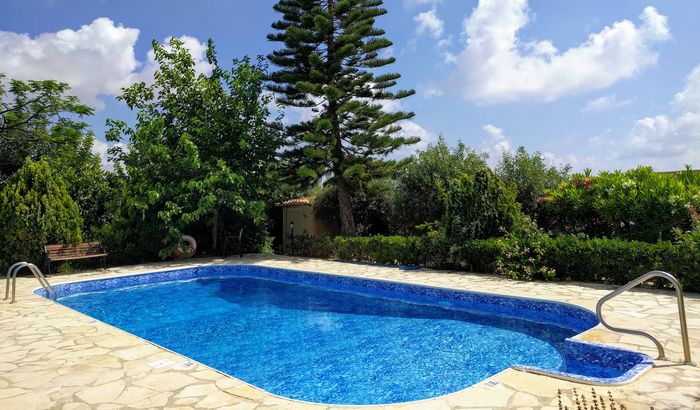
x: 569, y: 257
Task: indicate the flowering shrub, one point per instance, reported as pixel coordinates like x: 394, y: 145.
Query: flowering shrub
x: 638, y: 204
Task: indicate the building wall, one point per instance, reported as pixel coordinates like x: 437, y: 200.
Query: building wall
x: 305, y: 223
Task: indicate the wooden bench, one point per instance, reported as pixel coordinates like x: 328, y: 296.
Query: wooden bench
x: 88, y: 250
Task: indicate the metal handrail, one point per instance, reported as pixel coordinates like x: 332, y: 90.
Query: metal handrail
x: 681, y: 312
x: 12, y: 275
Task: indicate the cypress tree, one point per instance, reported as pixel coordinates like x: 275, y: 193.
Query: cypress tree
x: 35, y: 209
x: 331, y: 50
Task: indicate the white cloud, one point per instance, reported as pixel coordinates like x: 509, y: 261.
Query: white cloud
x: 444, y: 42
x: 431, y: 91
x: 496, y: 144
x: 668, y: 141
x: 97, y: 59
x: 412, y: 129
x: 429, y: 23
x: 606, y: 102
x: 449, y: 58
x: 496, y: 65
x: 417, y: 3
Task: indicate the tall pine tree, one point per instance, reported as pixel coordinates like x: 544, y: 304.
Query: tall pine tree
x: 331, y: 49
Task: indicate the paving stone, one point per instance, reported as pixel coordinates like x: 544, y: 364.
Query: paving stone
x: 216, y: 400
x: 53, y: 357
x: 168, y: 381
x: 102, y: 394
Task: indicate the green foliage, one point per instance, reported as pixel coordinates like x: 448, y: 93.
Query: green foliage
x: 524, y: 255
x: 479, y: 206
x: 418, y: 200
x: 531, y: 177
x: 201, y: 149
x: 35, y: 210
x: 38, y: 120
x: 370, y: 204
x: 331, y: 50
x: 398, y: 250
x: 638, y: 204
x: 35, y: 122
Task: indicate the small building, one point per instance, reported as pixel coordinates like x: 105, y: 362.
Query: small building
x: 298, y: 218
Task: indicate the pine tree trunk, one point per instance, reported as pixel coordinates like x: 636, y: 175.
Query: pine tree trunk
x: 347, y: 220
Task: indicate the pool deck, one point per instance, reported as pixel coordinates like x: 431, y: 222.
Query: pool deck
x: 52, y: 357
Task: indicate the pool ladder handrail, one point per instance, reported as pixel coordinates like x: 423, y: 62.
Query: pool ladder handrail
x: 681, y: 312
x: 12, y: 275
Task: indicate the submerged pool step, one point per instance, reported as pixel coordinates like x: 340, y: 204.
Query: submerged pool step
x: 593, y: 363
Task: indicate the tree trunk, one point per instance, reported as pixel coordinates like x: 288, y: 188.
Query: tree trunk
x: 215, y: 230
x: 347, y: 220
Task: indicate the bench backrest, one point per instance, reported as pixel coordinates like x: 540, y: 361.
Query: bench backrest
x: 78, y: 249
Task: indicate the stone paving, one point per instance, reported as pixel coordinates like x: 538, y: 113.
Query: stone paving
x: 52, y: 357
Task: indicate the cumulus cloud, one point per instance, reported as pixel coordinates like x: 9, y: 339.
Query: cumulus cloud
x: 416, y: 3
x: 496, y: 144
x: 674, y: 137
x: 428, y: 23
x: 413, y: 129
x: 496, y: 65
x: 97, y: 59
x: 606, y: 102
x: 431, y: 91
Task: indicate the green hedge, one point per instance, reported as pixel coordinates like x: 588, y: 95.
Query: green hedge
x: 569, y: 257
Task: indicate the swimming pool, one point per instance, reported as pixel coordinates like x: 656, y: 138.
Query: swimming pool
x: 345, y: 340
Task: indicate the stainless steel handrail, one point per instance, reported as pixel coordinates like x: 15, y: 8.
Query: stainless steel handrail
x: 12, y: 275
x: 681, y: 312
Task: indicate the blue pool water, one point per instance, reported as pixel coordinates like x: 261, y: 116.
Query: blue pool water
x: 343, y: 341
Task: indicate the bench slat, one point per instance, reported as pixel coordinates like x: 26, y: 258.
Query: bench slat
x: 65, y: 258
x: 74, y: 251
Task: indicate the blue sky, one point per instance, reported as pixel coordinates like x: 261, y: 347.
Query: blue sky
x: 599, y: 84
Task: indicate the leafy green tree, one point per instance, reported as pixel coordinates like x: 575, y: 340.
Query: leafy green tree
x: 371, y: 205
x: 531, y: 176
x: 479, y: 206
x: 202, y: 147
x: 35, y: 209
x: 38, y: 119
x: 417, y: 198
x: 331, y: 49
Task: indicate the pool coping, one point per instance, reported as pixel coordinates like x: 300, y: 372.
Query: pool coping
x: 628, y: 377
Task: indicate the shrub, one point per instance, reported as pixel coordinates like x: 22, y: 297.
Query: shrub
x: 638, y: 204
x: 479, y: 207
x: 417, y: 199
x: 531, y: 177
x: 35, y: 209
x: 523, y: 253
x: 398, y: 250
x: 526, y: 254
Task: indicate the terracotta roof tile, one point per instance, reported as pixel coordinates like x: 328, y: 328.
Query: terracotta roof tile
x: 307, y: 200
